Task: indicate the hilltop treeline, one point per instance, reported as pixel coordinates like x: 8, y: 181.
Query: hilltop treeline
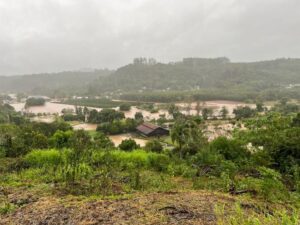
x: 203, y: 78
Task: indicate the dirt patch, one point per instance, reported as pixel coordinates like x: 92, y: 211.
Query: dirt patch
x: 154, y: 208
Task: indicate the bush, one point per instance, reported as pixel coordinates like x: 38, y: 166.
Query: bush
x: 230, y: 149
x: 131, y: 160
x: 181, y: 169
x: 44, y: 158
x: 35, y: 102
x: 269, y: 185
x: 125, y: 107
x: 128, y: 145
x: 154, y: 146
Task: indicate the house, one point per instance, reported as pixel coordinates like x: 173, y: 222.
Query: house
x: 151, y: 130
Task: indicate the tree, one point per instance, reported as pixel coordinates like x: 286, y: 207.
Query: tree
x: 139, y: 116
x: 128, y: 145
x: 80, y: 140
x: 259, y: 107
x: 198, y: 108
x: 101, y: 141
x: 188, y: 136
x: 296, y: 121
x: 61, y: 139
x: 174, y: 111
x: 125, y: 107
x: 11, y: 141
x: 230, y: 149
x: 40, y: 141
x: 154, y: 146
x: 224, y: 112
x: 206, y: 113
x: 243, y: 112
x: 35, y: 102
x: 283, y: 101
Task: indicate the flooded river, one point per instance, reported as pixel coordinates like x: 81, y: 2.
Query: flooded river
x: 186, y: 108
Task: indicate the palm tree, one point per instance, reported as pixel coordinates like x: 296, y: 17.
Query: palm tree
x: 188, y: 136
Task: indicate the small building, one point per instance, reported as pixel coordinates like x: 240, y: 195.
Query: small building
x: 151, y: 130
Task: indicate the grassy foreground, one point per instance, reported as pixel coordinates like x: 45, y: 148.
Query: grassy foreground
x: 160, y: 193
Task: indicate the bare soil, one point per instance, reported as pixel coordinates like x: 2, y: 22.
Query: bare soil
x: 193, y: 207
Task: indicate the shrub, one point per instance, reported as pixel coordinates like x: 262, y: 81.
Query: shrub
x: 125, y: 107
x: 181, y: 169
x: 154, y: 146
x: 44, y: 158
x: 238, y: 215
x: 128, y: 160
x: 159, y: 162
x: 230, y: 149
x: 269, y: 185
x: 128, y: 145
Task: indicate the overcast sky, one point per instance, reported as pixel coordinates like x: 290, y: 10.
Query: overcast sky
x: 56, y: 35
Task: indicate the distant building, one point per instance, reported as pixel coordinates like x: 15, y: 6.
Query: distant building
x: 151, y: 130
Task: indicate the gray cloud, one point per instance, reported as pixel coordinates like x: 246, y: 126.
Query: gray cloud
x: 55, y: 35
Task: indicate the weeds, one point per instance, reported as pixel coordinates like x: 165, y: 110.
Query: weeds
x: 239, y: 216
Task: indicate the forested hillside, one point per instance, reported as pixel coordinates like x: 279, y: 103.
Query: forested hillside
x: 196, y: 73
x: 206, y: 78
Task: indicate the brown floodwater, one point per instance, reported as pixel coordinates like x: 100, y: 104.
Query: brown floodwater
x: 48, y: 108
x: 215, y: 105
x: 85, y: 126
x: 56, y: 108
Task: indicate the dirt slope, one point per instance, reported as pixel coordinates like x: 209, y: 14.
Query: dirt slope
x: 154, y: 208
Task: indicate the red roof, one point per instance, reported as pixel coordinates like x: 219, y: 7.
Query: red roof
x: 147, y: 128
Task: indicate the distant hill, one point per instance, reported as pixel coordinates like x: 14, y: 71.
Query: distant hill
x: 211, y: 78
x: 195, y: 73
x: 216, y: 76
x: 51, y: 83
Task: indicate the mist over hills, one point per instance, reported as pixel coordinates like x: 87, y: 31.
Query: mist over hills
x: 50, y: 83
x: 215, y: 75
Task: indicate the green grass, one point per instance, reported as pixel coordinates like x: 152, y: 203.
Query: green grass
x: 237, y: 215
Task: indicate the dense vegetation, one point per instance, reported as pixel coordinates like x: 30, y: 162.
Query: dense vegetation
x: 34, y: 102
x: 260, y: 162
x: 208, y: 78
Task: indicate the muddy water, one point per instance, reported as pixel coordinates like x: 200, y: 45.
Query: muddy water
x: 215, y: 105
x: 56, y: 108
x: 85, y: 126
x: 49, y: 107
x: 117, y: 139
x: 44, y: 119
x: 147, y: 115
